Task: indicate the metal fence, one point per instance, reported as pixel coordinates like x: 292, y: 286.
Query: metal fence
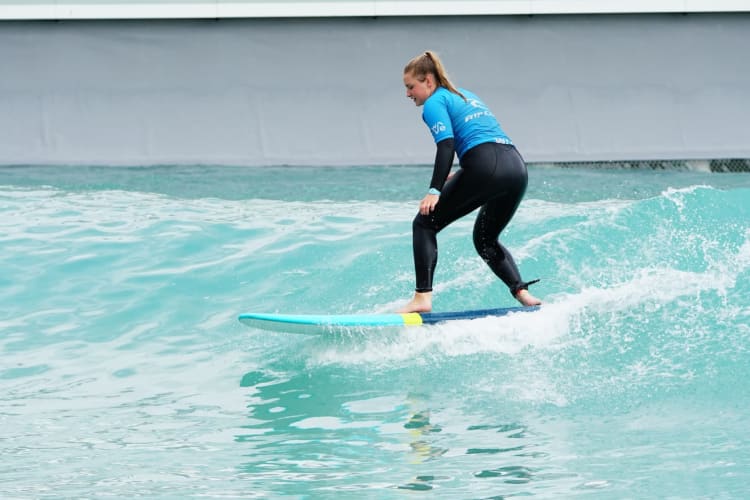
x: 717, y: 165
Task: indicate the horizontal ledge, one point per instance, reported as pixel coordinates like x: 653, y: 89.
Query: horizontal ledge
x: 202, y: 9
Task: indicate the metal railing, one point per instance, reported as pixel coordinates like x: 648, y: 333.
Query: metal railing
x: 716, y: 165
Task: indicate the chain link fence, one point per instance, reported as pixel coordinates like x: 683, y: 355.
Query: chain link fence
x: 720, y: 165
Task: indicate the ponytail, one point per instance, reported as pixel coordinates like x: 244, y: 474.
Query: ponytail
x: 428, y: 63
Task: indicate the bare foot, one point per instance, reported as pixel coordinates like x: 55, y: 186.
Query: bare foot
x: 525, y: 298
x: 422, y: 302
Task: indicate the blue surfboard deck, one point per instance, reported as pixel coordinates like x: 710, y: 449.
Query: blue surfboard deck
x: 322, y: 323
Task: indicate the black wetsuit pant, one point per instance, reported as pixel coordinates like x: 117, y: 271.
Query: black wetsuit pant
x: 492, y: 176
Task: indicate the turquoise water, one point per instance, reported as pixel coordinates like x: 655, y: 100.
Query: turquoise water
x: 125, y: 372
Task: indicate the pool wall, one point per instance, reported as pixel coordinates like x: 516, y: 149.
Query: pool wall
x: 328, y: 90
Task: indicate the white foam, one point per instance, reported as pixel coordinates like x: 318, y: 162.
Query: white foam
x: 504, y: 335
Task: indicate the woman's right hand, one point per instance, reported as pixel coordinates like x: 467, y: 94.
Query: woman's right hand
x: 427, y: 205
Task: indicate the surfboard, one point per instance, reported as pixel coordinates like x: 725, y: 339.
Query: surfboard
x: 322, y: 323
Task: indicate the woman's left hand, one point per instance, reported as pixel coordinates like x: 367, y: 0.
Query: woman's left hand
x: 427, y: 205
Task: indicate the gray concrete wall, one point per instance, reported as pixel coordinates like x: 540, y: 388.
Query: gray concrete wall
x: 329, y: 91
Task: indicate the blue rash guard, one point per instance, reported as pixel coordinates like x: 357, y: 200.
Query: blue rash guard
x: 468, y: 122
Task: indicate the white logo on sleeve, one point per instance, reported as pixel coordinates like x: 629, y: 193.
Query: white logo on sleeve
x: 437, y: 128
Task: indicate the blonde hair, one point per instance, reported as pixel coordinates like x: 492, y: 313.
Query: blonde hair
x: 428, y: 63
